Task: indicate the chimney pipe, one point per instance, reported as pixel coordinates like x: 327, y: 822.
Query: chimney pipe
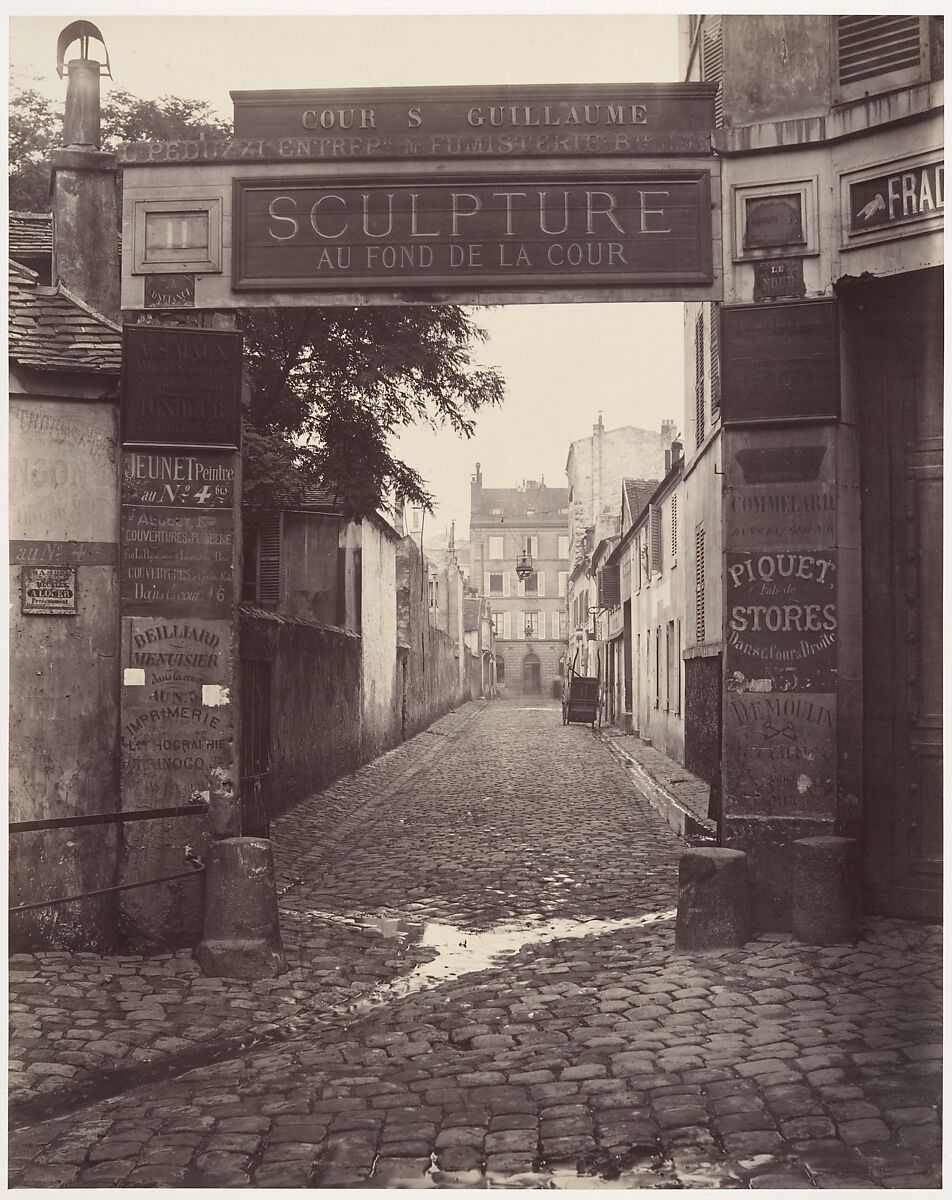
x: 85, y: 225
x: 81, y: 128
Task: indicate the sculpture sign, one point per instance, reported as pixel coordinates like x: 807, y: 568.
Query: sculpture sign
x: 642, y: 227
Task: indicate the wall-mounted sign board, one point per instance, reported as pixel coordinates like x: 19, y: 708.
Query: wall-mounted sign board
x: 901, y: 198
x: 475, y: 122
x: 49, y: 591
x: 780, y: 361
x: 470, y: 195
x: 638, y: 227
x: 180, y: 386
x: 178, y: 533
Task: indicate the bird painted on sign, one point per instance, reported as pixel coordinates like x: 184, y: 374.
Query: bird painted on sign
x: 868, y: 211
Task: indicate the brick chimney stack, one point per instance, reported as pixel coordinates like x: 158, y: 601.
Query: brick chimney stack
x: 85, y: 228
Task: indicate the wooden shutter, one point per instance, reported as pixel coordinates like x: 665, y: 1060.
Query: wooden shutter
x: 654, y: 551
x: 674, y: 526
x: 609, y: 586
x: 505, y: 584
x: 880, y: 53
x: 520, y: 587
x: 715, y: 360
x: 541, y: 582
x: 487, y: 584
x: 699, y: 619
x: 507, y: 625
x: 269, y: 559
x: 541, y: 626
x: 712, y: 64
x: 699, y: 378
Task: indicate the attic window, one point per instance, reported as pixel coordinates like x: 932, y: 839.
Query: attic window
x: 877, y: 54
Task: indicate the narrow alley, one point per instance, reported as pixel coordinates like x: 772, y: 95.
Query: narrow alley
x: 484, y: 992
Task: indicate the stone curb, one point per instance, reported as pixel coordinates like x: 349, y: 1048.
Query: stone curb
x: 678, y: 818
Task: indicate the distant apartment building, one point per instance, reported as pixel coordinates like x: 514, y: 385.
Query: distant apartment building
x: 529, y: 614
x: 596, y: 469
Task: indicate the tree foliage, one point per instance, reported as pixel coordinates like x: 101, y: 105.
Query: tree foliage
x: 337, y: 383
x: 36, y: 126
x: 329, y: 387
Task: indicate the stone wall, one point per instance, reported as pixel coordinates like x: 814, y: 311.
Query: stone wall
x: 382, y: 701
x: 315, y: 701
x: 429, y: 668
x: 64, y: 670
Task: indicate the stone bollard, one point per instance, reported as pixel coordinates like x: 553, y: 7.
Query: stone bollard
x: 713, y: 899
x: 242, y: 937
x: 827, y: 893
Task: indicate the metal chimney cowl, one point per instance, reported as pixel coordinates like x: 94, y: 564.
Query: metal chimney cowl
x: 81, y: 120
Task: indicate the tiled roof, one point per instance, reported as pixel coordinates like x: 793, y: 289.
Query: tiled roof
x: 638, y: 492
x: 515, y: 503
x: 31, y: 233
x: 51, y: 329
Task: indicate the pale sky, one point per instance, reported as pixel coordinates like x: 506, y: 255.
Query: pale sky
x: 562, y: 363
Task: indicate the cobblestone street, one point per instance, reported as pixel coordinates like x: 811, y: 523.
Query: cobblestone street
x: 403, y: 1049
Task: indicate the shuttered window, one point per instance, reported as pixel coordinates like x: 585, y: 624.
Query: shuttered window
x: 609, y: 586
x: 654, y: 520
x: 674, y: 527
x: 715, y: 361
x: 878, y: 53
x: 712, y: 65
x: 699, y: 378
x: 699, y: 620
x: 657, y: 667
x: 269, y: 560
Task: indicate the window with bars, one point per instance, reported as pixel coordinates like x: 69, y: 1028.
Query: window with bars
x: 674, y: 528
x: 699, y: 618
x: 699, y: 378
x: 715, y: 352
x: 712, y: 64
x: 876, y: 54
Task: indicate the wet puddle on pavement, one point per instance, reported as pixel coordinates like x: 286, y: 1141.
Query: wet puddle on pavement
x: 458, y: 951
x: 461, y: 952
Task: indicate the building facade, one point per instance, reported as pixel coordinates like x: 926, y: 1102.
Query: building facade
x: 596, y: 469
x: 529, y: 615
x: 811, y: 494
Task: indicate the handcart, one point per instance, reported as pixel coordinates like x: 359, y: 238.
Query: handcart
x: 580, y: 702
